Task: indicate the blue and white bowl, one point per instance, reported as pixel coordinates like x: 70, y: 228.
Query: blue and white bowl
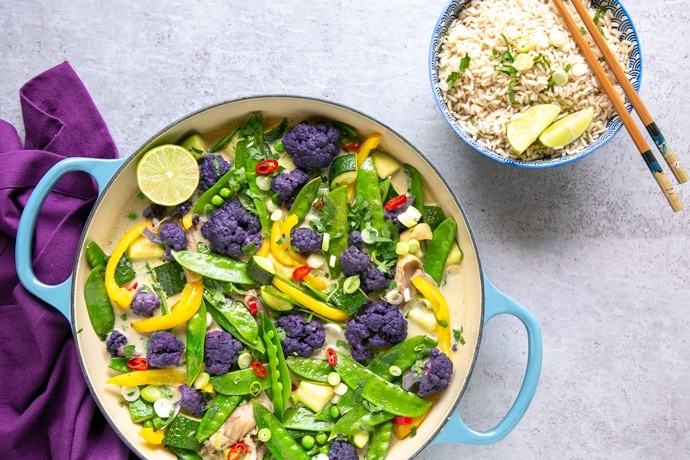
x: 628, y: 33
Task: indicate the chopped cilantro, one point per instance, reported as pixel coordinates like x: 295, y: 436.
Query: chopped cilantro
x: 453, y: 77
x: 457, y: 335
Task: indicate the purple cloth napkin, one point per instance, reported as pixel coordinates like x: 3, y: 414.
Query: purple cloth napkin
x: 46, y: 409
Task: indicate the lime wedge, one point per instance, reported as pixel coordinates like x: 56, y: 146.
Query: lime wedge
x: 526, y: 127
x: 567, y: 129
x: 168, y: 174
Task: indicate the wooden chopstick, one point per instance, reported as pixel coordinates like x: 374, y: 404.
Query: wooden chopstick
x: 634, y: 98
x: 635, y: 134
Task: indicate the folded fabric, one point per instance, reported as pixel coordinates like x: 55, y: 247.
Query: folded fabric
x: 46, y: 410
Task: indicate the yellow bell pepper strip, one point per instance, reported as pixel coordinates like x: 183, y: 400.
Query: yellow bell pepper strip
x: 187, y: 221
x: 151, y: 435
x: 170, y: 376
x: 369, y: 144
x: 121, y: 296
x: 440, y: 306
x: 280, y: 251
x: 190, y: 302
x: 309, y: 302
x: 265, y: 248
x: 401, y: 431
x: 316, y: 282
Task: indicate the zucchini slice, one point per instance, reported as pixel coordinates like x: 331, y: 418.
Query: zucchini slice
x: 343, y: 171
x: 261, y: 269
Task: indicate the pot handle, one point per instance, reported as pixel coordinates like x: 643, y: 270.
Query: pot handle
x: 57, y: 295
x: 497, y: 303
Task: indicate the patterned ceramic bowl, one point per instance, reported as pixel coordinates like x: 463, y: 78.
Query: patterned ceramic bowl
x: 620, y: 18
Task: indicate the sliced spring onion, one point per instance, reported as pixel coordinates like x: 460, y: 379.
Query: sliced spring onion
x: 333, y: 378
x: 340, y: 389
x: 523, y: 62
x: 560, y: 77
x: 201, y: 380
x: 402, y: 248
x: 244, y: 361
x: 351, y: 284
x: 368, y: 235
x: 331, y: 261
x: 264, y: 434
x: 394, y: 297
x: 524, y: 45
x: 277, y: 215
x: 557, y: 38
x: 326, y: 242
x: 410, y: 217
x: 263, y: 182
x: 395, y: 371
x: 406, y: 295
x: 163, y: 407
x: 271, y: 206
x: 130, y: 394
x: 151, y: 393
x: 315, y: 260
x: 413, y: 246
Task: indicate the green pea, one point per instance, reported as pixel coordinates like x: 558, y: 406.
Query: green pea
x: 279, y: 146
x: 217, y: 200
x: 209, y: 208
x: 322, y: 438
x: 335, y: 412
x: 307, y: 442
x: 225, y: 192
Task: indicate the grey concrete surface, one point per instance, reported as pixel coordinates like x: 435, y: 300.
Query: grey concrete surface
x: 591, y: 248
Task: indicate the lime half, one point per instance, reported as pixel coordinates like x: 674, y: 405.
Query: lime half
x: 526, y: 127
x: 168, y: 174
x: 567, y: 129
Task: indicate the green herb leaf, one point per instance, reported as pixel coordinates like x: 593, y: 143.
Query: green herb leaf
x: 453, y: 77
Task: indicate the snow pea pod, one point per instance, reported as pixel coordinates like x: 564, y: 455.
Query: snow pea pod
x: 240, y: 383
x: 378, y: 391
x: 414, y: 185
x: 95, y: 256
x: 380, y: 441
x: 438, y: 248
x: 368, y: 194
x: 313, y: 369
x: 216, y: 414
x: 281, y: 444
x: 214, y: 266
x: 98, y: 304
x: 337, y: 225
x: 359, y: 419
x: 305, y: 197
x: 302, y: 419
x: 196, y: 335
x: 242, y: 324
x: 402, y: 355
x: 281, y: 384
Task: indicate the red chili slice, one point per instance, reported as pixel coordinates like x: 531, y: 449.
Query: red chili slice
x: 402, y: 420
x: 138, y: 364
x: 266, y: 167
x: 300, y: 272
x: 332, y: 356
x: 395, y: 202
x: 259, y: 369
x: 252, y: 305
x: 351, y: 146
x: 238, y: 451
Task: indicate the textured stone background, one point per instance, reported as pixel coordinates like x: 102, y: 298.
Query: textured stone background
x: 591, y: 248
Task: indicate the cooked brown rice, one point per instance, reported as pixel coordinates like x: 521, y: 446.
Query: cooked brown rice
x: 479, y: 99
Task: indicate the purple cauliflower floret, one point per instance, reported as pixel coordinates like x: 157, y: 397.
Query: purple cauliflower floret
x: 301, y: 338
x: 354, y: 260
x: 164, y: 349
x: 115, y: 343
x: 373, y: 280
x: 395, y: 212
x: 287, y: 184
x: 220, y: 352
x: 355, y: 239
x: 380, y: 324
x: 154, y: 211
x: 174, y: 238
x: 145, y: 303
x: 437, y: 372
x: 212, y: 168
x: 192, y: 401
x: 181, y: 209
x: 230, y: 229
x: 342, y: 450
x: 305, y: 239
x: 312, y: 147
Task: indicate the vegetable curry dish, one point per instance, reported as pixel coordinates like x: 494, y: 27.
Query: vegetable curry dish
x: 289, y: 304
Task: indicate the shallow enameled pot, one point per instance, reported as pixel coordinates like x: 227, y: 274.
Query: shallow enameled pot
x: 479, y: 302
